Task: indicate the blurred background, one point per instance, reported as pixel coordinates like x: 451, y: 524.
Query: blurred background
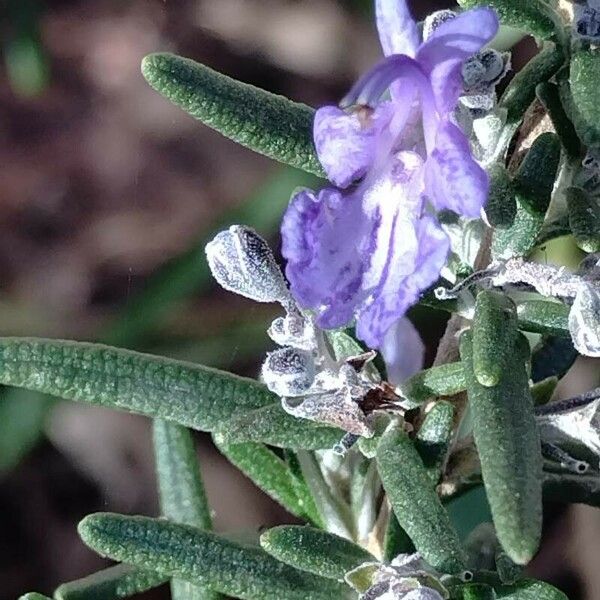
x: 107, y: 197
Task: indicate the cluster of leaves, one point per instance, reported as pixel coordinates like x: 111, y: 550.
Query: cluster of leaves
x: 497, y: 375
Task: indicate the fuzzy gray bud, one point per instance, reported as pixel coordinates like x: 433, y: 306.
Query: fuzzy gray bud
x: 484, y: 68
x: 293, y: 330
x: 584, y: 320
x: 242, y: 262
x: 587, y: 26
x: 289, y: 371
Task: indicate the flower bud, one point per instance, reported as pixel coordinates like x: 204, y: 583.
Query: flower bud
x: 289, y: 371
x: 587, y: 26
x: 242, y: 262
x: 584, y: 320
x: 484, y: 68
x: 293, y: 330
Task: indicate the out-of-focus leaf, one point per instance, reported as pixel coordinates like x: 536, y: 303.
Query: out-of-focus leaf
x: 120, y: 581
x: 416, y: 504
x: 264, y: 122
x: 534, y: 16
x: 191, y: 395
x: 553, y: 357
x: 272, y: 425
x: 314, y: 550
x: 189, y: 272
x: 34, y: 596
x: 529, y: 589
x: 272, y: 475
x: 335, y: 513
x: 181, y: 492
x: 204, y: 558
x: 22, y: 417
x: 508, y: 443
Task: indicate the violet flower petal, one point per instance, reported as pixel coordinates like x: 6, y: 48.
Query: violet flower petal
x: 346, y: 142
x: 324, y: 244
x: 398, y: 31
x: 403, y: 351
x: 453, y: 42
x: 453, y: 178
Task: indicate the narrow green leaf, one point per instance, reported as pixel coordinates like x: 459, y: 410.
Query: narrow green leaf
x: 182, y: 495
x: 33, y: 596
x: 520, y: 93
x: 434, y: 436
x: 314, y: 550
x: 544, y: 316
x: 272, y: 475
x: 189, y: 272
x: 416, y: 504
x: 534, y: 16
x: 584, y: 219
x: 549, y: 95
x: 264, y: 122
x: 444, y: 380
x: 191, y: 395
x: 120, y: 581
x: 534, y: 183
x: 204, y: 558
x: 501, y: 206
x: 584, y: 83
x: 272, y: 425
x: 181, y: 492
x: 396, y: 540
x: 553, y: 228
x: 530, y: 589
x: 508, y: 443
x: 494, y: 336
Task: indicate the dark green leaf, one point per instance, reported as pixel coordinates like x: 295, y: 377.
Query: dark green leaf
x: 553, y: 357
x: 494, y: 336
x: 34, y: 596
x: 549, y: 95
x: 204, y: 558
x: 314, y: 550
x: 416, y: 504
x: 192, y: 395
x: 264, y: 122
x: 534, y: 16
x: 534, y: 183
x: 434, y: 437
x: 272, y: 475
x: 396, y: 540
x: 444, y: 380
x: 120, y: 581
x: 501, y: 206
x: 584, y: 219
x: 508, y: 443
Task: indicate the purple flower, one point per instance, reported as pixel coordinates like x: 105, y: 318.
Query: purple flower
x: 367, y: 248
